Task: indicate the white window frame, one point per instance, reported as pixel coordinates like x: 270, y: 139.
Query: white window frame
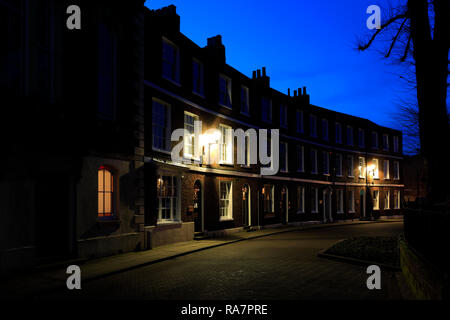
x: 350, y: 166
x: 247, y: 100
x: 385, y: 142
x: 397, y: 200
x: 326, y: 163
x: 376, y: 170
x: 314, y: 163
x: 266, y: 117
x: 316, y: 200
x: 376, y: 200
x: 167, y: 143
x: 375, y: 134
x: 396, y: 144
x: 286, y: 152
x: 350, y: 141
x: 325, y: 135
x: 227, y: 210
x: 313, y: 126
x: 386, y: 169
x: 201, y: 75
x: 338, y: 164
x: 186, y: 154
x: 177, y: 62
x: 338, y: 132
x: 299, y: 121
x: 362, y: 168
x: 283, y: 119
x: 361, y: 138
x: 387, y: 196
x: 340, y: 201
x: 300, y: 156
x: 226, y: 138
x: 396, y: 170
x: 351, y: 199
x: 228, y: 93
x: 175, y: 202
x: 272, y: 201
x: 301, y: 195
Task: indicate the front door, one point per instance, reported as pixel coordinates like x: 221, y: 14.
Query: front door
x: 198, y: 206
x: 246, y: 219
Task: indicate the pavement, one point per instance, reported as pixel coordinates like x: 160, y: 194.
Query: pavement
x: 45, y: 281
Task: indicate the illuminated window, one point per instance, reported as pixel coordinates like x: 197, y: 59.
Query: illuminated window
x: 189, y: 138
x: 362, y: 167
x: 386, y: 200
x: 386, y: 169
x: 226, y: 201
x: 396, y: 199
x: 105, y: 193
x: 167, y: 198
x: 376, y: 200
x: 226, y: 144
x: 376, y: 169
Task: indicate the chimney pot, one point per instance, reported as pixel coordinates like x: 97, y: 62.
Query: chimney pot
x: 264, y: 71
x: 289, y: 92
x: 304, y: 91
x: 259, y: 73
x: 254, y: 74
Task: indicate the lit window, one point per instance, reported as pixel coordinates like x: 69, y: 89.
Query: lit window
x: 338, y: 133
x: 362, y: 167
x: 283, y: 157
x: 376, y: 200
x: 313, y: 125
x: 386, y: 200
x: 171, y: 61
x: 160, y: 125
x: 225, y: 91
x: 268, y: 198
x: 266, y: 109
x: 197, y: 77
x: 340, y: 201
x: 245, y: 103
x: 189, y: 138
x: 105, y: 193
x: 299, y: 116
x: 300, y: 199
x: 225, y: 202
x: 226, y: 144
x: 167, y: 198
x: 283, y: 116
x: 375, y: 169
x: 396, y: 199
x: 300, y: 158
x: 325, y: 129
x: 396, y: 170
x: 386, y: 169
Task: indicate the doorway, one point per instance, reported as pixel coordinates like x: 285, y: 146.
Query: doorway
x: 198, y: 207
x: 246, y: 206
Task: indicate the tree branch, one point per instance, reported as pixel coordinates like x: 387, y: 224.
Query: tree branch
x: 405, y: 54
x: 382, y: 27
x: 394, y: 40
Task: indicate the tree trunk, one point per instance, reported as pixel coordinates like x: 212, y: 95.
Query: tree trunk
x: 431, y: 62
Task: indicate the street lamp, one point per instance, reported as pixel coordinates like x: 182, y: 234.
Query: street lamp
x: 210, y: 137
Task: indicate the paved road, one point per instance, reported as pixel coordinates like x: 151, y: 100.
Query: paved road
x: 282, y: 266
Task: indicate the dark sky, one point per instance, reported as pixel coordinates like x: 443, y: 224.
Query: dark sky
x: 302, y: 43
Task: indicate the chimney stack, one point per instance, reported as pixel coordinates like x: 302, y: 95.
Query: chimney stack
x: 304, y: 91
x: 263, y: 71
x: 254, y: 74
x: 295, y: 93
x: 289, y: 92
x: 259, y: 73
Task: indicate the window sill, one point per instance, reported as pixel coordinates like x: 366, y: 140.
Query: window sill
x: 301, y: 171
x: 161, y: 150
x: 160, y: 222
x: 226, y: 219
x: 201, y: 95
x: 108, y: 221
x: 340, y: 212
x: 245, y: 114
x: 300, y: 212
x: 172, y: 81
x: 225, y: 106
x: 341, y: 176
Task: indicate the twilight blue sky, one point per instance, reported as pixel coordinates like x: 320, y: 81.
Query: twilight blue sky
x: 302, y: 43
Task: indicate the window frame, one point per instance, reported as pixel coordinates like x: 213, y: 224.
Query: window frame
x: 175, y: 201
x: 201, y: 73
x: 386, y: 169
x: 300, y: 199
x: 340, y: 201
x: 313, y: 163
x: 185, y: 154
x: 325, y: 133
x: 229, y: 91
x: 269, y: 115
x: 299, y: 121
x: 228, y: 142
x: 396, y: 170
x: 247, y: 98
x: 385, y: 142
x: 177, y: 80
x: 112, y: 215
x: 229, y: 208
x: 361, y: 138
x: 168, y: 126
x: 338, y: 132
x: 286, y: 160
x: 300, y: 148
x: 313, y: 126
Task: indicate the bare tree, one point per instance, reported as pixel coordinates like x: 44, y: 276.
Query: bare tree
x: 417, y: 32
